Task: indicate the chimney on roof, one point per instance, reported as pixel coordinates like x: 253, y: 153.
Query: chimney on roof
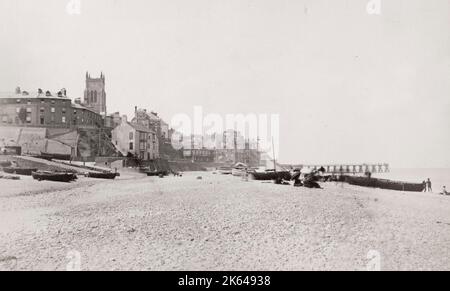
x: 18, y: 91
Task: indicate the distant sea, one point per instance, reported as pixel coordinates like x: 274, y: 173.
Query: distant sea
x: 439, y: 177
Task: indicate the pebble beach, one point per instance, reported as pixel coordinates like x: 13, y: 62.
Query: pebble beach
x: 218, y: 222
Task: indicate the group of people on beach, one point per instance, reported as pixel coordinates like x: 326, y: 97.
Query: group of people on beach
x: 427, y: 187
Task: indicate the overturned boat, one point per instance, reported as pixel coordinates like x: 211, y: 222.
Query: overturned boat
x: 54, y: 176
x: 19, y: 171
x: 384, y: 184
x: 110, y: 176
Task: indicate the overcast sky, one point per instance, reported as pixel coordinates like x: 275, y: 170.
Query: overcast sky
x: 349, y: 86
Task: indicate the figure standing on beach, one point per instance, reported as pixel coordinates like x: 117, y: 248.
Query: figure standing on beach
x: 429, y: 188
x: 245, y: 175
x: 424, y: 185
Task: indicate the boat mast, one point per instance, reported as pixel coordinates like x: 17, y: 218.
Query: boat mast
x: 274, y: 158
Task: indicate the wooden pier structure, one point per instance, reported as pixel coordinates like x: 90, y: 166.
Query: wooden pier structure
x: 349, y: 168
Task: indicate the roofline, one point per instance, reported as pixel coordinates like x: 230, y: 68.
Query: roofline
x: 65, y: 98
x: 134, y: 127
x: 12, y: 95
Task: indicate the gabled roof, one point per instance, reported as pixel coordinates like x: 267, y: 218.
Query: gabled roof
x: 150, y: 115
x: 79, y: 106
x: 140, y: 127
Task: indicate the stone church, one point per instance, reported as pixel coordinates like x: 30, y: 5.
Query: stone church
x: 95, y: 94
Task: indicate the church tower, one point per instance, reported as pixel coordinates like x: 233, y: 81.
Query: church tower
x: 95, y: 94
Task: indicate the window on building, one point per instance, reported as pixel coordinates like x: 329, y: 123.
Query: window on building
x: 52, y: 110
x: 28, y: 110
x: 5, y: 119
x: 42, y: 120
x: 63, y: 110
x: 42, y: 109
x: 42, y: 101
x: 19, y: 101
x: 53, y: 101
x: 131, y: 135
x: 28, y: 119
x: 17, y: 109
x: 29, y: 102
x: 63, y: 119
x: 131, y: 146
x: 52, y: 118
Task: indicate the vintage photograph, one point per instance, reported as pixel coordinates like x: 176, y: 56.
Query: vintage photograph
x: 224, y: 135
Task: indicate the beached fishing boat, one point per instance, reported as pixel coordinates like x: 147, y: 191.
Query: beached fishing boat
x: 384, y: 184
x: 238, y: 172
x: 19, y: 170
x: 49, y: 157
x: 5, y: 164
x: 10, y: 177
x: 110, y: 176
x: 157, y: 173
x: 54, y: 176
x: 225, y: 170
x: 271, y: 175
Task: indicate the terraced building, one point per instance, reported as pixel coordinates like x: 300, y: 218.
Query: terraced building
x: 51, y: 123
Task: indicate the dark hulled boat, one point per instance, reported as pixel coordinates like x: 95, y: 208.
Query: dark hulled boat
x: 54, y: 176
x: 271, y: 175
x: 157, y: 173
x: 5, y: 164
x: 19, y: 171
x: 49, y: 157
x: 384, y: 184
x: 110, y: 176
